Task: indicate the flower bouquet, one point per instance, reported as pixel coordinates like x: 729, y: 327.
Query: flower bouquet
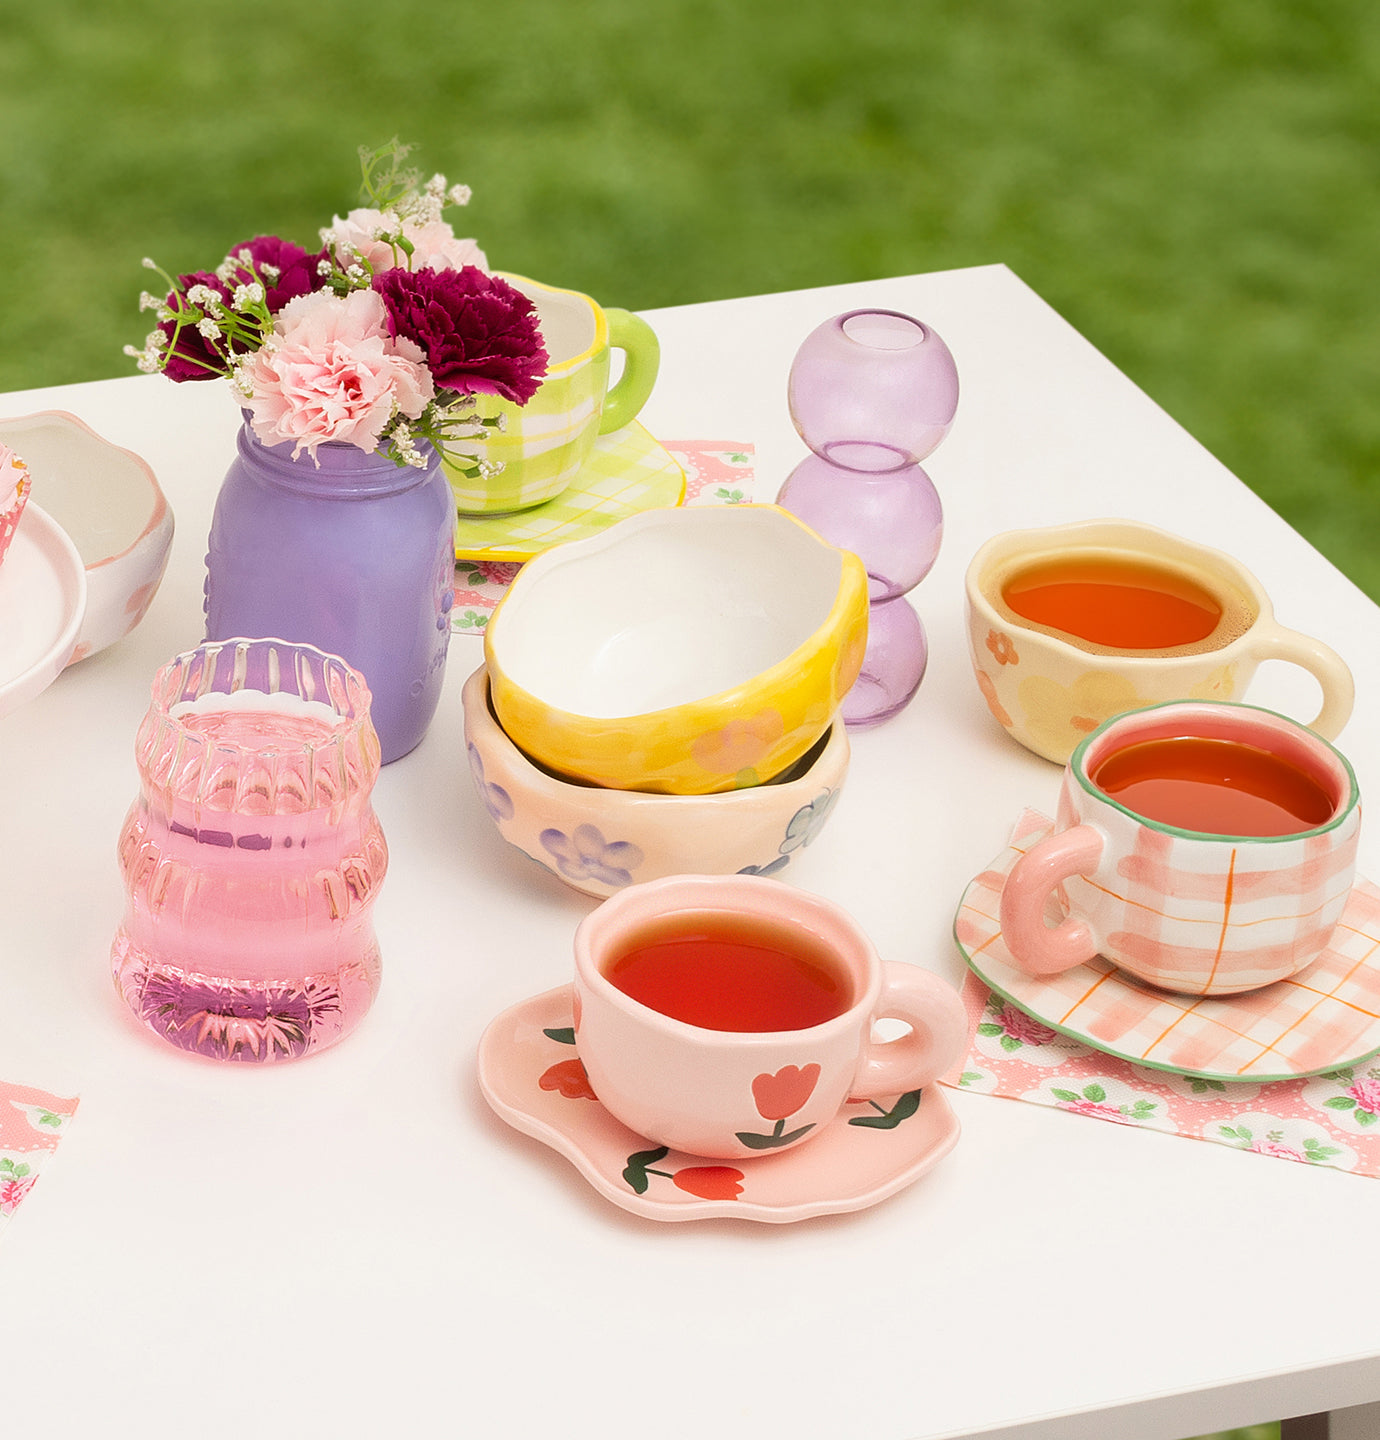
x: 359, y: 369
x: 379, y: 339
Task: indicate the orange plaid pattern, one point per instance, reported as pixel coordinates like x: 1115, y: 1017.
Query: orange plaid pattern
x: 1325, y: 1016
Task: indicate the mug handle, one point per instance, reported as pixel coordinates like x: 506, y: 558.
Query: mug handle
x: 641, y: 359
x: 938, y: 1033
x: 1328, y: 668
x: 1037, y: 948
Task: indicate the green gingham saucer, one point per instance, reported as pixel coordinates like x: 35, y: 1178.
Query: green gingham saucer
x: 627, y: 472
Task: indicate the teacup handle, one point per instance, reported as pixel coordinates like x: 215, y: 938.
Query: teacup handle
x: 938, y: 1032
x: 641, y: 360
x: 1278, y: 642
x: 1037, y: 948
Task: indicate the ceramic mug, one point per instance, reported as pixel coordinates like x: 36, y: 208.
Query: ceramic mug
x: 1188, y: 910
x: 742, y: 957
x: 543, y: 444
x: 1050, y: 687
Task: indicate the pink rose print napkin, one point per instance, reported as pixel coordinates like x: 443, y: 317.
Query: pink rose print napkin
x: 31, y: 1124
x: 718, y: 472
x: 1331, y: 1119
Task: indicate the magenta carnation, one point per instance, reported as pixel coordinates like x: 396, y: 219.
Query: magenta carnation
x: 297, y: 269
x: 478, y: 333
x: 192, y: 357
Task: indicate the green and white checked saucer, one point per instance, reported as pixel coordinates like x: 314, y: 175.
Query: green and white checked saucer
x: 627, y: 472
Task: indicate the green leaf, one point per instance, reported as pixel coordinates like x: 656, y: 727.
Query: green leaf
x: 1009, y: 1042
x: 772, y: 1142
x: 1067, y: 1095
x: 903, y: 1109
x: 562, y: 1036
x: 987, y: 1028
x: 1339, y: 1102
x: 635, y: 1172
x: 1095, y: 1093
x: 969, y: 1076
x: 1364, y: 1117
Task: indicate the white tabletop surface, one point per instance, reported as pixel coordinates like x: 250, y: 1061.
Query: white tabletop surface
x: 356, y: 1246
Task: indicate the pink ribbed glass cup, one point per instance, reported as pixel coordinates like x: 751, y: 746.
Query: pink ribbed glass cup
x: 252, y: 855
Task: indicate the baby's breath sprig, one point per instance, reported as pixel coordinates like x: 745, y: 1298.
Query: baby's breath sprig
x: 230, y: 320
x: 398, y: 191
x: 401, y: 200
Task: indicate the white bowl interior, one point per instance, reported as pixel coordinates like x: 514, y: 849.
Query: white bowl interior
x: 566, y: 320
x: 666, y: 608
x: 101, y: 495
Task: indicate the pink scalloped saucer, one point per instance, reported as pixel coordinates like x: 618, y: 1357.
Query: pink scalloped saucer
x: 530, y: 1074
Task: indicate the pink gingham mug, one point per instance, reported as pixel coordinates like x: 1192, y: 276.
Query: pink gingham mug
x: 1192, y: 912
x: 732, y: 1094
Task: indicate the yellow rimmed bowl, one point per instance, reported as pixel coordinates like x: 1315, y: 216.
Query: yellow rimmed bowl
x: 683, y: 651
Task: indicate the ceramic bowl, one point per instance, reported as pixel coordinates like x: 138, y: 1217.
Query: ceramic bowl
x: 685, y: 651
x: 14, y: 494
x: 599, y: 840
x: 108, y: 500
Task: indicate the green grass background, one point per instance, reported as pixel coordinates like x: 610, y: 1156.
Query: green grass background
x: 1195, y: 184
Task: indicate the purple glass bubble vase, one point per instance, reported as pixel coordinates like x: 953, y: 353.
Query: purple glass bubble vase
x: 872, y: 393
x: 355, y: 557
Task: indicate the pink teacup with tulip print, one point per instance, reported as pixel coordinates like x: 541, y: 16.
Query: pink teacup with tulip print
x: 1196, y: 911
x: 732, y: 1016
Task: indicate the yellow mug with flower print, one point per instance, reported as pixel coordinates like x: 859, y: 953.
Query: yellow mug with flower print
x: 1049, y: 687
x: 542, y: 446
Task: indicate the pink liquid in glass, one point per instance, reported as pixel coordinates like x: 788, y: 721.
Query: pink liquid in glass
x: 251, y: 860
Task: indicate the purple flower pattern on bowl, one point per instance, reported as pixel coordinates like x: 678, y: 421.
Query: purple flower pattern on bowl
x: 584, y: 854
x: 801, y: 830
x: 496, y: 799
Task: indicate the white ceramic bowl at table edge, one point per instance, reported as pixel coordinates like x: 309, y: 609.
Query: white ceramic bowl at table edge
x: 109, y: 502
x: 599, y: 840
x: 683, y: 651
x: 42, y: 603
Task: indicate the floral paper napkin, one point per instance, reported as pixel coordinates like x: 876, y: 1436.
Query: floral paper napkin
x: 1331, y: 1120
x: 718, y: 472
x: 31, y: 1124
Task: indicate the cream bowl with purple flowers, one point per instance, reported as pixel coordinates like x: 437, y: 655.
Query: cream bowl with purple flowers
x: 599, y: 840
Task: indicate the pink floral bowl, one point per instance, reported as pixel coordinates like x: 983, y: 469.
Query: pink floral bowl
x: 601, y: 840
x: 109, y: 502
x: 14, y: 494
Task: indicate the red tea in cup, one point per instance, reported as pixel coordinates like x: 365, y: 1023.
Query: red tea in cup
x: 1121, y: 603
x: 1214, y: 786
x: 731, y: 972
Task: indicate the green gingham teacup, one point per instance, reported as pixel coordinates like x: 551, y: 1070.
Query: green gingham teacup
x: 544, y: 444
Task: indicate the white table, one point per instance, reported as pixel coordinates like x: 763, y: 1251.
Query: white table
x: 357, y: 1246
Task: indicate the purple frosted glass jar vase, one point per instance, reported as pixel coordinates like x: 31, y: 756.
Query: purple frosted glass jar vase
x: 355, y: 557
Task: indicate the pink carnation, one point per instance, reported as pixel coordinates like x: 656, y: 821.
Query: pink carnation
x: 333, y: 372
x: 435, y: 246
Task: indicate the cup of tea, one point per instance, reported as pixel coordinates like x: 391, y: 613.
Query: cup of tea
x: 732, y: 1016
x: 1204, y: 847
x: 1071, y: 624
x: 542, y: 445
